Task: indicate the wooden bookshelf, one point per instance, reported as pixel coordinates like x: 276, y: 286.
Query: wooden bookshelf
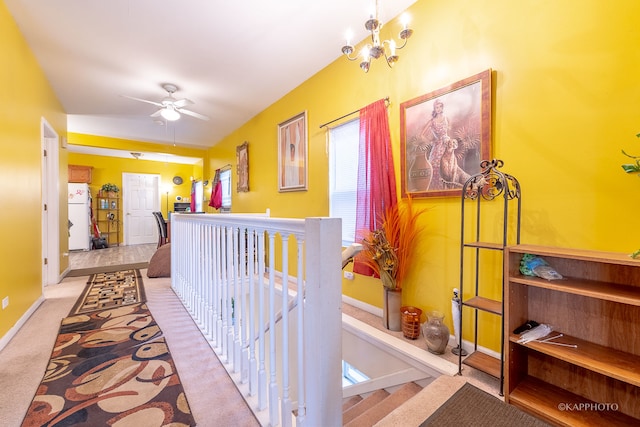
x: 596, y: 308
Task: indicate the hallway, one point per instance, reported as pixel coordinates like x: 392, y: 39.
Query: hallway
x: 212, y: 396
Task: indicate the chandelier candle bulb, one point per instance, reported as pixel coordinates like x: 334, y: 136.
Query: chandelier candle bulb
x: 404, y: 19
x: 392, y: 47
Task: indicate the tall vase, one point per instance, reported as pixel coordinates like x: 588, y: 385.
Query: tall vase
x: 391, y: 315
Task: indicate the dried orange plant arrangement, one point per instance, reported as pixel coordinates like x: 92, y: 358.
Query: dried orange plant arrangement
x: 389, y: 250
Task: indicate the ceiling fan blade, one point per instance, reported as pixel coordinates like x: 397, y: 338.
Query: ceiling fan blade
x: 182, y: 102
x: 142, y: 100
x: 192, y: 114
x: 157, y: 113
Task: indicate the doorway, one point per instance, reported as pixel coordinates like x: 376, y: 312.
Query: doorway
x: 140, y: 198
x: 50, y: 204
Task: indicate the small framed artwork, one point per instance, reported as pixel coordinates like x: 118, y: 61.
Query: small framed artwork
x: 292, y: 154
x: 444, y: 136
x: 242, y: 159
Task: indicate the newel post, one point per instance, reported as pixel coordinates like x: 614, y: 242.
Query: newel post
x: 323, y: 322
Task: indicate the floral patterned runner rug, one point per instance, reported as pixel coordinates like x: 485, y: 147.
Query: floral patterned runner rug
x: 110, y: 368
x: 110, y: 290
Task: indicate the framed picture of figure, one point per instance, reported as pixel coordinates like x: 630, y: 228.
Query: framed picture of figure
x: 444, y: 136
x: 242, y: 159
x: 292, y: 154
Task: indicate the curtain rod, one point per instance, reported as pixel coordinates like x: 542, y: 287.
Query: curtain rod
x: 386, y: 102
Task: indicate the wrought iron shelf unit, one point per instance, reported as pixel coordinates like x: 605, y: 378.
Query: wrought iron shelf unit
x: 476, y: 290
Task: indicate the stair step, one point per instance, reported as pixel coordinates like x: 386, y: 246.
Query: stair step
x: 350, y: 401
x: 361, y: 407
x: 384, y: 407
x: 426, y: 402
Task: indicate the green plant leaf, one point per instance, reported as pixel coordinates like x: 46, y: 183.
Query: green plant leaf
x: 629, y: 168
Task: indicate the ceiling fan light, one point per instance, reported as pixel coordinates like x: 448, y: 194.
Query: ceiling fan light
x: 170, y: 114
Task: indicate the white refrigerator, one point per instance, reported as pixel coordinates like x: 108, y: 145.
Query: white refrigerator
x: 79, y: 217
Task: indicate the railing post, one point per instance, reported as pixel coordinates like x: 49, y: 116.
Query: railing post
x: 323, y: 322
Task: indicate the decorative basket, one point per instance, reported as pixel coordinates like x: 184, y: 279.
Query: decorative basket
x: 410, y: 321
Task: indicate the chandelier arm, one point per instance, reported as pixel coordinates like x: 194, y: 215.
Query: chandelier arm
x: 403, y: 44
x: 347, y: 50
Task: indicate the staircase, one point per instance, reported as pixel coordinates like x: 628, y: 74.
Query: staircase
x: 358, y: 411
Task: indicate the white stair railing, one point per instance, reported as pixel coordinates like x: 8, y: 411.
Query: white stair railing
x: 233, y: 275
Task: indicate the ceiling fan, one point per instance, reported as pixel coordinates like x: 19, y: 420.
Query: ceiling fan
x: 171, y: 108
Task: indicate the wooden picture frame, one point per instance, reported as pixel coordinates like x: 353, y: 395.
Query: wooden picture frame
x: 242, y: 160
x: 444, y: 136
x: 292, y: 154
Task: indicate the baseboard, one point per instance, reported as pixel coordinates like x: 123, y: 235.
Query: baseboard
x: 14, y: 330
x: 64, y: 274
x: 362, y: 305
x: 453, y: 342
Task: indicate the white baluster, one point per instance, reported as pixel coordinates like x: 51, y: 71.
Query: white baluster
x: 217, y: 313
x: 237, y: 297
x: 273, y: 383
x: 300, y: 329
x: 262, y: 372
x: 242, y: 309
x: 286, y: 400
x: 253, y: 367
x: 230, y: 295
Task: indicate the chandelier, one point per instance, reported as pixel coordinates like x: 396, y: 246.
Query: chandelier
x: 377, y: 49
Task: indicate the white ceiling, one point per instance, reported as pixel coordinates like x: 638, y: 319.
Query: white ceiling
x: 231, y: 58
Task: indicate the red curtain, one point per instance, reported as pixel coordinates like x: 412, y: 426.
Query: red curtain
x: 376, y: 187
x: 215, y: 201
x: 192, y: 205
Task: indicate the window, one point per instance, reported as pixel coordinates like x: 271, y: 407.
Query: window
x: 351, y: 375
x: 343, y: 176
x: 225, y: 183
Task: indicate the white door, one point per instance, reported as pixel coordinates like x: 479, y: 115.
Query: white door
x: 141, y: 196
x: 50, y: 205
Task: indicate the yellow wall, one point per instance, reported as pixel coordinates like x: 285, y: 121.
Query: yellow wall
x: 110, y: 169
x: 25, y: 99
x: 565, y: 103
x: 565, y: 99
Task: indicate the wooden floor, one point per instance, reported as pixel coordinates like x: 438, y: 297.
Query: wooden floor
x: 116, y: 255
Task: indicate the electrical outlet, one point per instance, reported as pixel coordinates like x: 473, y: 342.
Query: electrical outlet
x: 348, y: 275
x: 5, y: 302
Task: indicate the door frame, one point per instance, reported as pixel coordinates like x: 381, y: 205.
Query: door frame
x: 50, y: 193
x: 125, y: 200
